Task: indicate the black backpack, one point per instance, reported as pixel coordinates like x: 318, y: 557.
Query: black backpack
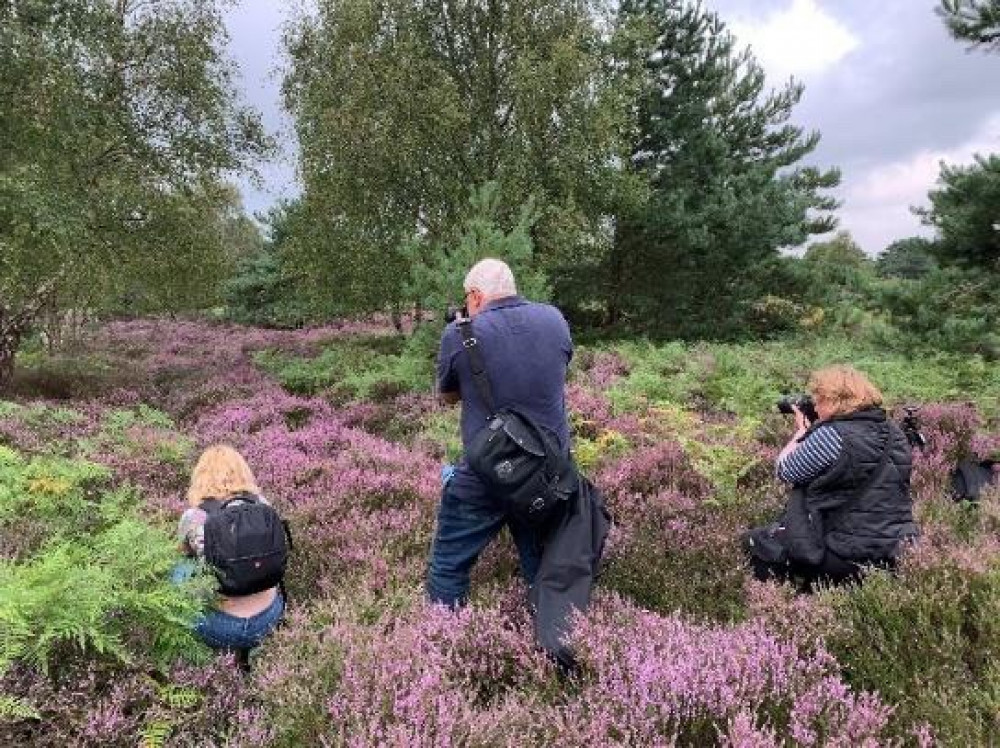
x: 516, y: 458
x: 970, y: 478
x: 246, y: 544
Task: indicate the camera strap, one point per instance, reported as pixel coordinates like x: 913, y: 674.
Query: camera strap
x: 477, y: 365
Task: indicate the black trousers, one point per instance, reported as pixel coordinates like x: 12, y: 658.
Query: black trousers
x: 832, y: 571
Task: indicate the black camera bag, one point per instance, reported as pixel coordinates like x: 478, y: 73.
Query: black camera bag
x: 246, y: 544
x: 970, y: 478
x: 516, y: 458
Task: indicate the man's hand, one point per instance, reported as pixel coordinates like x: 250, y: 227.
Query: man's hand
x: 449, y: 398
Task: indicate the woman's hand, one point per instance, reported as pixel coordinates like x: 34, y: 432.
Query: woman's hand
x: 802, y: 423
x: 801, y: 427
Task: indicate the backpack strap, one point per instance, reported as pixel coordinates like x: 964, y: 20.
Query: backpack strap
x: 477, y: 365
x: 211, y: 506
x: 877, y: 472
x: 246, y: 498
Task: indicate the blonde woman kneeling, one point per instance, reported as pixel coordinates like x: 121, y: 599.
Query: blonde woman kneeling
x: 231, y: 527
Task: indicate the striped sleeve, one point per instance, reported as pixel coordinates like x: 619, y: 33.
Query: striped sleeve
x: 812, y: 458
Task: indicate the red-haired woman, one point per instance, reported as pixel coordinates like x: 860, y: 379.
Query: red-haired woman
x: 850, y: 502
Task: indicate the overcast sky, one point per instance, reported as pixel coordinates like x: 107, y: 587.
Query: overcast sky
x: 890, y: 91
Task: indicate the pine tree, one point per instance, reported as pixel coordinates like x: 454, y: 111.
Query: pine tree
x: 726, y: 193
x: 976, y: 21
x: 965, y: 209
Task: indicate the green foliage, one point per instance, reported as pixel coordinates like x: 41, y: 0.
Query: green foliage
x: 965, y: 209
x: 374, y: 367
x: 401, y: 109
x: 260, y: 293
x: 927, y: 640
x: 589, y: 453
x: 119, y: 120
x: 914, y: 305
x: 746, y: 379
x: 264, y: 288
x: 142, y: 429
x: 119, y: 421
x: 666, y: 579
x: 15, y: 710
x: 909, y: 259
x: 950, y: 309
x: 657, y: 373
x: 155, y: 734
x: 96, y: 578
x: 975, y: 21
x: 835, y: 268
x: 51, y: 498
x: 97, y: 595
x: 437, y: 274
x: 726, y: 194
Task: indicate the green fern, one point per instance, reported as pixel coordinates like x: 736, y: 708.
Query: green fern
x: 92, y: 588
x: 13, y: 709
x: 155, y: 734
x: 179, y: 698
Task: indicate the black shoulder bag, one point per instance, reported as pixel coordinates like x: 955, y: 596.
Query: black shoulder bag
x: 514, y: 456
x: 970, y: 478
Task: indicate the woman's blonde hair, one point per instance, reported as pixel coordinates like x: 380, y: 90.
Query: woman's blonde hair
x: 221, y: 472
x: 844, y: 390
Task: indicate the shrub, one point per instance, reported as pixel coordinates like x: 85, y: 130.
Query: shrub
x: 108, y: 595
x: 928, y: 641
x: 49, y: 498
x: 653, y: 680
x: 101, y: 705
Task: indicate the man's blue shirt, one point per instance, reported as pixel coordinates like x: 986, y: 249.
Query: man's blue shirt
x: 526, y: 350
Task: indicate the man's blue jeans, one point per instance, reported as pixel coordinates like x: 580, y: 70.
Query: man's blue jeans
x: 465, y: 526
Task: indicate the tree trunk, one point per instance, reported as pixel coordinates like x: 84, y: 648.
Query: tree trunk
x: 616, y: 282
x: 9, y: 342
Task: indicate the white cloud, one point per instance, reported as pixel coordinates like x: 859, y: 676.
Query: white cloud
x: 877, y: 204
x: 802, y: 40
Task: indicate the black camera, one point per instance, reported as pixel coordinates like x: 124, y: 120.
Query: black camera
x: 453, y: 313
x: 803, y: 402
x: 911, y: 427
